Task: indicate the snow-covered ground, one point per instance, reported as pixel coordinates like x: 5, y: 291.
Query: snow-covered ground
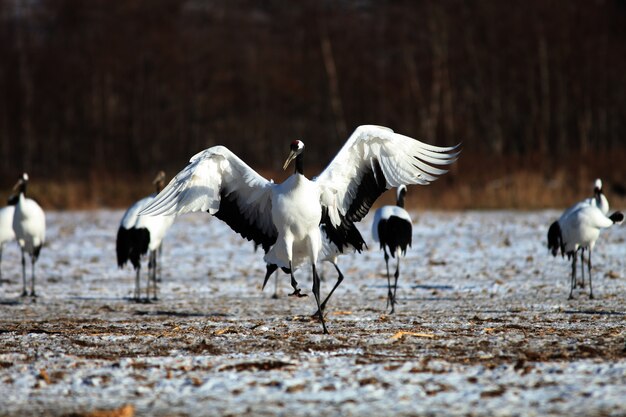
x: 483, y: 326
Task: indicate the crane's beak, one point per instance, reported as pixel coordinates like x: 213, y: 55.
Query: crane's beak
x: 291, y: 157
x: 18, y: 184
x: 160, y: 177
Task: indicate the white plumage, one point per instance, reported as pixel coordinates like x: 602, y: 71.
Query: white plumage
x: 579, y: 229
x: 29, y: 225
x: 598, y: 200
x: 393, y: 229
x: 6, y: 230
x: 138, y: 235
x: 285, y: 218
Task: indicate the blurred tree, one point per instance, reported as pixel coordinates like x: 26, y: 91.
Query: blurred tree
x: 115, y: 89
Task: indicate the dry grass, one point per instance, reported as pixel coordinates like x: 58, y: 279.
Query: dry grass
x: 474, y: 182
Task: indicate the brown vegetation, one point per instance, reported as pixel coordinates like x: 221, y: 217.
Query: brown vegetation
x: 97, y: 96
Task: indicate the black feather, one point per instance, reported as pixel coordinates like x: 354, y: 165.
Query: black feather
x: 130, y: 245
x: 372, y: 185
x: 343, y: 235
x: 395, y: 232
x: 13, y: 199
x: 555, y: 239
x: 230, y: 213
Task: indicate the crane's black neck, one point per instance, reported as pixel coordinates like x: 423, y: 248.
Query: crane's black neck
x: 299, y: 164
x: 400, y: 199
x: 22, y: 188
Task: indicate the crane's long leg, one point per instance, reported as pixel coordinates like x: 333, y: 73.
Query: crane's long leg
x: 137, y: 290
x: 316, y: 293
x: 339, y: 280
x: 573, y: 280
x: 294, y: 284
x: 150, y: 269
x: 395, y: 283
x: 389, y: 294
x: 275, y: 296
x: 24, y: 292
x: 33, y: 259
x: 155, y: 267
x: 582, y: 268
x: 0, y: 265
x: 589, y: 273
x: 159, y: 263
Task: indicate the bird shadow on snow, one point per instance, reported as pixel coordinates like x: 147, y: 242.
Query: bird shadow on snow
x: 179, y: 314
x: 11, y: 301
x: 594, y: 312
x: 88, y: 298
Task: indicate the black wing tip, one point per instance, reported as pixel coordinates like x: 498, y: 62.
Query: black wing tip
x: 555, y: 239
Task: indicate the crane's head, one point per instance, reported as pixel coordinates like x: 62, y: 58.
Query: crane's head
x: 21, y: 183
x: 296, y: 148
x: 159, y: 181
x: 597, y: 186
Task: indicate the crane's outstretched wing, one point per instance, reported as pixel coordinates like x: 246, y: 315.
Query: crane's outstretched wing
x: 218, y: 182
x: 373, y: 160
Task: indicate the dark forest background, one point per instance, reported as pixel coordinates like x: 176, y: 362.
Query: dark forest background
x: 96, y: 96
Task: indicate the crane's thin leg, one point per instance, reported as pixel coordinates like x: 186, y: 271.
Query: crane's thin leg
x: 339, y: 280
x: 395, y: 284
x: 589, y: 270
x: 296, y: 291
x: 316, y: 293
x: 582, y: 267
x: 275, y: 296
x: 0, y: 265
x: 24, y: 292
x: 389, y: 294
x: 137, y: 296
x: 150, y: 267
x: 573, y: 280
x: 33, y: 259
x: 155, y: 267
x: 159, y: 263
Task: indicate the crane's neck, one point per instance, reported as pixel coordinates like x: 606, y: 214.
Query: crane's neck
x: 22, y: 188
x: 299, y: 165
x: 400, y: 200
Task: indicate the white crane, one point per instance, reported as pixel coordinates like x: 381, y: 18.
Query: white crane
x: 580, y: 229
x: 138, y: 235
x: 6, y: 228
x: 392, y: 227
x: 285, y: 218
x: 29, y: 225
x: 598, y: 200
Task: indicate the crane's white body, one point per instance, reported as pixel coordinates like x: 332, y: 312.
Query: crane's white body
x: 581, y: 227
x: 6, y: 230
x: 156, y: 225
x: 131, y: 216
x: 29, y: 224
x: 297, y: 222
x: 285, y: 218
x: 6, y: 224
